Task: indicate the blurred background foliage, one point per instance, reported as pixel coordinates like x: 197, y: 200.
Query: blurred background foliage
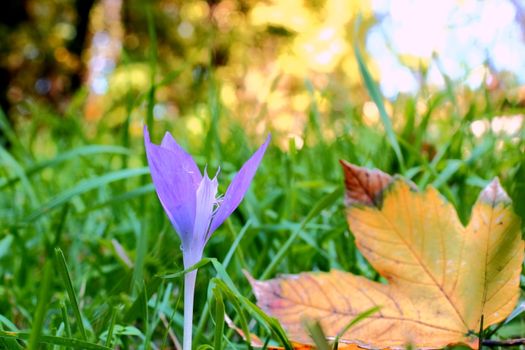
x: 261, y: 53
x: 79, y: 78
x: 265, y: 59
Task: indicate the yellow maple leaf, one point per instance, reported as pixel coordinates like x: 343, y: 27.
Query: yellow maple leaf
x: 441, y: 277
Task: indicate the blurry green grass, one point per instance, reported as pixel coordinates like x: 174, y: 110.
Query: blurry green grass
x: 90, y: 198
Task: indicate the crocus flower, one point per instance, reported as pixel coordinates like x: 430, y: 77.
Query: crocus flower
x: 192, y: 205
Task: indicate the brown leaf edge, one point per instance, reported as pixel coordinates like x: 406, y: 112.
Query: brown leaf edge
x: 364, y: 186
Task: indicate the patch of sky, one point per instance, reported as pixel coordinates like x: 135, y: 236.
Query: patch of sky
x: 465, y: 35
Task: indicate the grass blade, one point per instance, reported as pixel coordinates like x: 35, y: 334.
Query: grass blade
x: 362, y: 316
x: 219, y: 319
x: 11, y: 162
x: 322, y: 204
x: 54, y: 340
x: 63, y: 157
x: 136, y: 193
x: 66, y: 278
x: 375, y: 94
x: 112, y: 321
x: 270, y: 323
x: 85, y: 186
x: 317, y: 334
x: 235, y: 243
x: 65, y: 319
x: 43, y: 302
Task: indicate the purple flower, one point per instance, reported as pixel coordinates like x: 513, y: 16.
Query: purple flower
x: 190, y: 198
x: 191, y: 202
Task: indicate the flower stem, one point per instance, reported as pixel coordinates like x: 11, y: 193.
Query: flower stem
x: 189, y: 293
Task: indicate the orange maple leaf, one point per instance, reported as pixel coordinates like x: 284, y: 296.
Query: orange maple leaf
x: 441, y: 277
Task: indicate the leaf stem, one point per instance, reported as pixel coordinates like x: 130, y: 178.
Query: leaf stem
x: 503, y: 343
x: 480, y: 337
x: 189, y: 293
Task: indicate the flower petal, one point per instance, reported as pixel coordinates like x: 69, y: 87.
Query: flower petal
x: 206, y: 199
x: 187, y: 162
x: 238, y: 187
x: 171, y: 183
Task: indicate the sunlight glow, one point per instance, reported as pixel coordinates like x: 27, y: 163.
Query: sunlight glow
x: 465, y: 35
x: 509, y: 125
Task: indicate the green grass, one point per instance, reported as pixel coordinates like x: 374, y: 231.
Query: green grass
x: 85, y: 246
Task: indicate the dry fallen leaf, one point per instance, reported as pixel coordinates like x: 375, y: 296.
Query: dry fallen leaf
x: 442, y: 277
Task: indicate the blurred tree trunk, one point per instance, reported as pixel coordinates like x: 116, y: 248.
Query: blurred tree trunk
x: 13, y: 13
x: 12, y: 17
x: 76, y: 46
